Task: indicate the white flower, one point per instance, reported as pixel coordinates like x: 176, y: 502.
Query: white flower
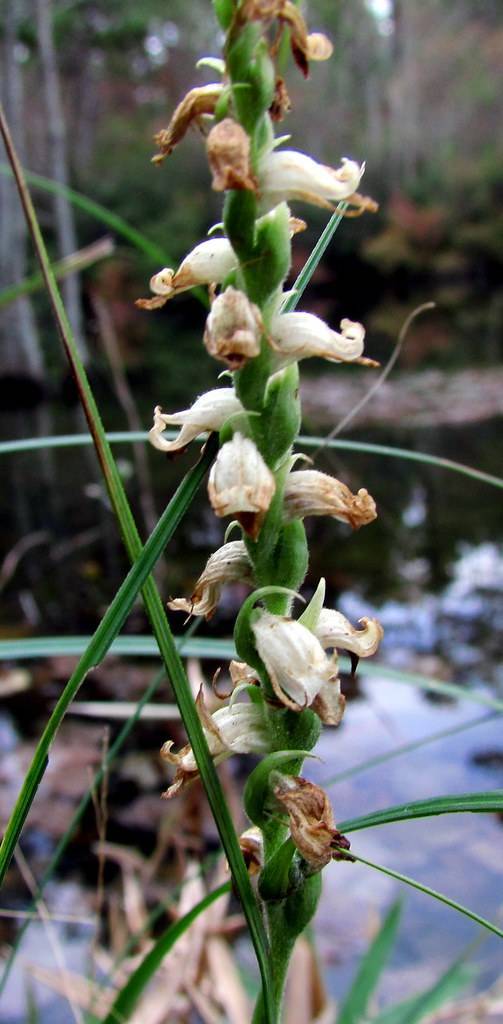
x: 294, y: 658
x: 334, y: 630
x: 235, y: 729
x: 310, y: 493
x: 208, y: 263
x: 296, y: 336
x: 228, y: 564
x: 288, y: 175
x: 241, y: 484
x: 233, y: 329
x: 209, y: 412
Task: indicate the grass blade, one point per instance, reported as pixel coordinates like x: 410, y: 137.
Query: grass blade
x: 99, y: 644
x: 312, y: 261
x: 224, y: 650
x: 353, y: 1009
x: 475, y: 803
x: 131, y: 437
x: 447, y: 987
x: 427, y: 891
x: 95, y: 210
x: 156, y: 614
x: 73, y: 264
x: 129, y: 995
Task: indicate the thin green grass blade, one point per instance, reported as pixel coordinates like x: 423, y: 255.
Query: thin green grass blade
x: 100, y: 643
x: 426, y: 890
x: 129, y: 995
x: 403, y: 453
x: 312, y: 261
x: 95, y: 210
x: 130, y: 437
x: 411, y: 1011
x: 224, y: 650
x: 73, y: 264
x: 156, y: 614
x: 475, y: 803
x: 405, y: 748
x: 354, y: 1006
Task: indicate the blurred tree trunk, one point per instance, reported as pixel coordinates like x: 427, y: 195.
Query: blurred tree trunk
x: 18, y: 334
x: 58, y: 165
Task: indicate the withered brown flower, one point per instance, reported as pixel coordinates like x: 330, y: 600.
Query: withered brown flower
x: 312, y: 823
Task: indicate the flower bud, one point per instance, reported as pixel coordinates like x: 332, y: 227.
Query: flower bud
x: 297, y: 336
x: 288, y: 175
x: 295, y: 660
x: 334, y: 630
x: 208, y: 263
x: 228, y: 149
x: 209, y: 412
x: 227, y: 565
x: 194, y: 105
x: 312, y: 823
x: 241, y: 484
x: 233, y: 329
x: 310, y: 493
x: 235, y: 729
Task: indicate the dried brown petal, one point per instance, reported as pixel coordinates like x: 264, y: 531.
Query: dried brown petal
x: 312, y: 823
x: 228, y: 149
x: 281, y: 104
x: 310, y: 493
x: 197, y: 102
x: 228, y: 564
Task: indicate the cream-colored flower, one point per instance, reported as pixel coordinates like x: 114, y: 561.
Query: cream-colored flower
x: 240, y: 484
x: 208, y: 263
x: 288, y: 175
x: 295, y: 336
x: 235, y: 729
x: 229, y: 564
x: 233, y: 329
x: 251, y: 844
x: 294, y: 658
x: 334, y: 630
x: 310, y: 493
x: 209, y: 412
x: 197, y: 102
x: 312, y: 823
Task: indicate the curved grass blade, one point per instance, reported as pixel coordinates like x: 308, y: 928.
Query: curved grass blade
x: 131, y: 437
x: 73, y: 264
x: 353, y: 1009
x: 96, y: 210
x: 405, y: 748
x: 313, y: 259
x: 129, y: 995
x: 155, y: 612
x: 77, y: 816
x: 213, y: 648
x: 415, y: 1009
x: 474, y: 803
x: 425, y: 889
x: 100, y: 643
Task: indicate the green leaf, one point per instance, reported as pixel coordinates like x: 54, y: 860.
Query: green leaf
x: 312, y: 261
x: 481, y: 803
x: 353, y: 1009
x: 414, y: 1010
x: 128, y: 996
x: 440, y: 896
